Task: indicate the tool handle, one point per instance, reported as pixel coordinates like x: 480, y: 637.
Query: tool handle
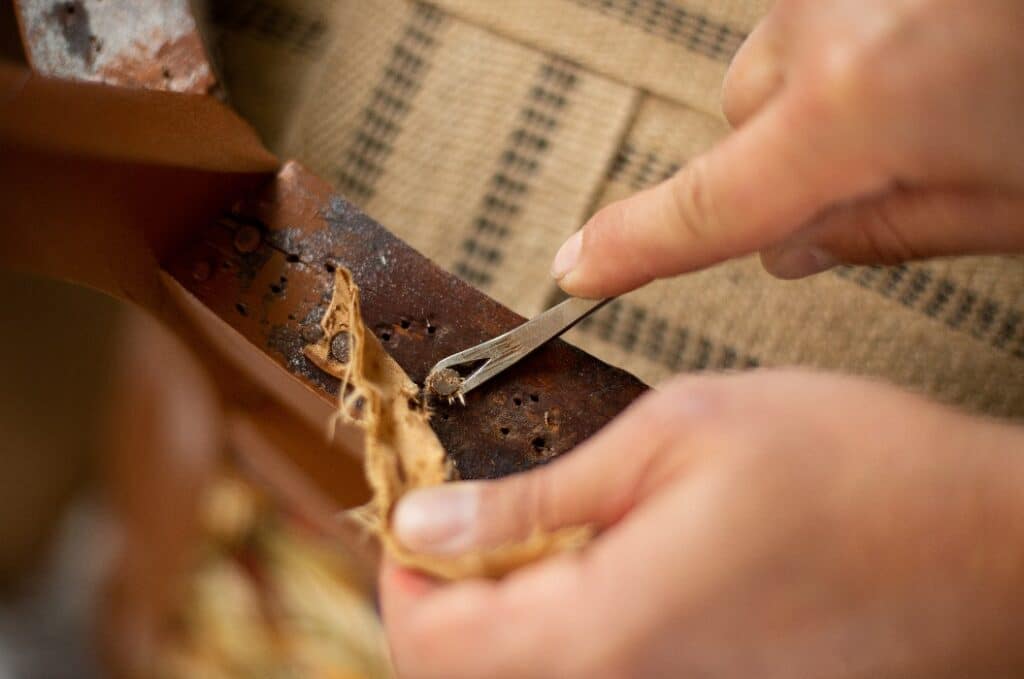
x: 552, y: 323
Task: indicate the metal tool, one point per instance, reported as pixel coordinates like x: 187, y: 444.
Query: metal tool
x: 453, y: 377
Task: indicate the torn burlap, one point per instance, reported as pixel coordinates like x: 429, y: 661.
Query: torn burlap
x: 402, y: 452
x: 485, y: 133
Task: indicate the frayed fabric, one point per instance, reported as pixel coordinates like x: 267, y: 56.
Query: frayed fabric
x: 402, y: 452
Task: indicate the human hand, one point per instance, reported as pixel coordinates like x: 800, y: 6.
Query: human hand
x: 868, y: 131
x: 767, y: 524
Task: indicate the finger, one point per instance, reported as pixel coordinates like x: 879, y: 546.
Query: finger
x: 759, y: 184
x: 902, y: 226
x: 555, y: 610
x: 755, y: 75
x: 401, y: 590
x: 596, y: 484
x: 482, y: 628
x: 407, y: 598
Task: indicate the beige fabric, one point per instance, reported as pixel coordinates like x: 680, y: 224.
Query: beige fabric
x: 952, y: 328
x: 484, y: 133
x: 402, y: 452
x: 267, y: 54
x: 475, y: 149
x: 679, y: 50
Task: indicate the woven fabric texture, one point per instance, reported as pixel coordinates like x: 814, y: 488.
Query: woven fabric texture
x: 485, y: 133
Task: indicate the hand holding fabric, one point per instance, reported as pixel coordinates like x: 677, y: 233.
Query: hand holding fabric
x: 768, y: 524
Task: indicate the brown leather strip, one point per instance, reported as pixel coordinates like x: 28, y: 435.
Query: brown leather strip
x: 267, y: 269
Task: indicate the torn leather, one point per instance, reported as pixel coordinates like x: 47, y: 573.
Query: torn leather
x: 402, y: 452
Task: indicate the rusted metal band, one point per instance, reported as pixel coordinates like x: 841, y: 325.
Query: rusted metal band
x: 153, y: 44
x: 267, y: 269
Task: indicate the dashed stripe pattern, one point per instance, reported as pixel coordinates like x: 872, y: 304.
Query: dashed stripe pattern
x: 638, y: 331
x: 937, y: 297
x: 668, y: 21
x: 300, y: 32
x: 519, y: 163
x: 363, y: 161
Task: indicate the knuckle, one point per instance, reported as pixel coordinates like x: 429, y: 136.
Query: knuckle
x: 534, y: 500
x: 841, y: 79
x: 523, y: 504
x: 884, y: 235
x: 835, y: 77
x: 697, y: 395
x: 694, y: 213
x: 501, y: 515
x: 607, y: 222
x: 658, y: 409
x: 698, y: 406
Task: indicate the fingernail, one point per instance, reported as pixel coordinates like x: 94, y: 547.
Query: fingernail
x: 567, y: 257
x: 438, y: 520
x: 799, y: 261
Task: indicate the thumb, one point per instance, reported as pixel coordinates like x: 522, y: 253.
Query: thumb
x: 902, y: 226
x: 759, y: 184
x: 596, y: 484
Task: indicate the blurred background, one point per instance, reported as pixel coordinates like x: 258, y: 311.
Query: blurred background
x: 131, y: 542
x: 55, y: 368
x: 55, y: 372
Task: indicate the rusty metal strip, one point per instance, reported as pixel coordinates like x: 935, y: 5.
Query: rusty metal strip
x: 154, y: 44
x: 267, y: 269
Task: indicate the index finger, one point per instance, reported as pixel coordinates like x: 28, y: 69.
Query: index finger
x: 755, y: 187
